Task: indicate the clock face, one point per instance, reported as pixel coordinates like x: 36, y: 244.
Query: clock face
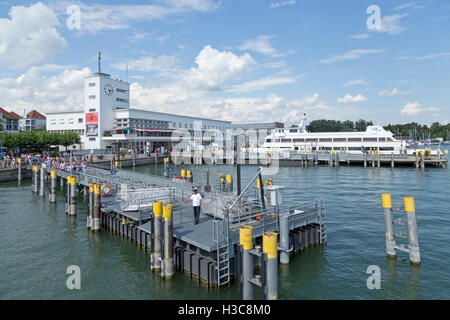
x: 109, y: 90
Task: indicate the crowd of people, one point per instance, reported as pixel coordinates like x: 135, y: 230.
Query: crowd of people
x: 62, y: 162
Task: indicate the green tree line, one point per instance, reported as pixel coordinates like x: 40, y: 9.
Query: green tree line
x: 436, y: 130
x: 338, y: 126
x: 38, y: 139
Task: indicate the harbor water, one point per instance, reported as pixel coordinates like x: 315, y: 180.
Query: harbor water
x: 39, y: 241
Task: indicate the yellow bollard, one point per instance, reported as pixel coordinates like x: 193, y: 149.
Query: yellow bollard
x: 270, y: 245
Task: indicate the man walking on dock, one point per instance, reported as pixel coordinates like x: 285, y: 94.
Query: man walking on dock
x: 196, y: 199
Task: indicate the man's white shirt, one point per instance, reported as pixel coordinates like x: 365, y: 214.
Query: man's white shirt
x: 196, y: 199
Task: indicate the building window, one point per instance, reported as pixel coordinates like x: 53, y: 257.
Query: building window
x: 61, y: 121
x: 91, y: 84
x: 122, y: 91
x: 122, y: 100
x: 80, y: 120
x: 92, y: 139
x: 70, y: 121
x: 92, y: 97
x: 92, y: 110
x: 53, y: 121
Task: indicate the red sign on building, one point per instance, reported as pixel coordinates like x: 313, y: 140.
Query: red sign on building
x: 92, y: 118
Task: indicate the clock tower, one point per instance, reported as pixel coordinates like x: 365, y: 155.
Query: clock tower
x: 102, y: 95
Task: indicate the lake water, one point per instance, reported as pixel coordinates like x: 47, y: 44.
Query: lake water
x: 38, y: 241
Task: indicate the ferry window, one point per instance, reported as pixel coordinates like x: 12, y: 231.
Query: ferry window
x: 325, y: 139
x: 293, y: 130
x: 299, y: 140
x: 286, y: 140
x: 268, y: 140
x: 277, y: 140
x: 339, y: 139
x: 311, y: 140
x: 391, y: 139
x: 382, y: 139
x: 370, y: 139
x: 354, y: 148
x: 387, y: 149
x: 354, y: 139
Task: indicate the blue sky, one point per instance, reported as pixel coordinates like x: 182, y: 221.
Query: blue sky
x: 244, y: 61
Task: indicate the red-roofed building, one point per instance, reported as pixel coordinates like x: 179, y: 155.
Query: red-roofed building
x: 33, y: 121
x: 10, y: 121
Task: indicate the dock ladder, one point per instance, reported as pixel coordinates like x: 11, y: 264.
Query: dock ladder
x: 223, y: 251
x: 322, y: 221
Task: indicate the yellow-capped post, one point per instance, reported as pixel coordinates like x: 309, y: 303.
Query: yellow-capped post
x: 270, y: 249
x: 96, y: 225
x: 246, y: 244
x: 229, y: 183
x: 155, y: 249
x: 388, y: 225
x: 73, y: 196
x: 413, y: 239
x: 52, y: 196
x: 167, y: 269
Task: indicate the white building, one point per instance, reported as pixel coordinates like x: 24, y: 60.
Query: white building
x: 107, y: 119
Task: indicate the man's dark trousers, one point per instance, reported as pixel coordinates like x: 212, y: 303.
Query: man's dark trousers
x: 196, y: 214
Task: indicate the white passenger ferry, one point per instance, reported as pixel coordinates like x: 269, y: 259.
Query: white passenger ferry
x: 298, y: 139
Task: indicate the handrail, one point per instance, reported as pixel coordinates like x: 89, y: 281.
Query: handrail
x: 245, y: 189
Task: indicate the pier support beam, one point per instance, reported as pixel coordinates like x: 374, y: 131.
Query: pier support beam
x: 42, y: 182
x: 378, y: 159
x: 388, y: 225
x: 68, y: 186
x: 229, y: 183
x: 271, y: 255
x: 156, y: 254
x: 167, y: 268
x: 96, y: 222
x: 284, y: 238
x: 90, y: 216
x: 246, y: 242
x: 222, y: 182
x: 19, y: 170
x: 392, y: 160
x: 365, y: 159
x: 166, y: 169
x: 35, y: 179
x: 73, y: 196
x: 53, y: 178
x: 413, y: 239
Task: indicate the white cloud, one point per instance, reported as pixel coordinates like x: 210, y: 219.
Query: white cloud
x: 278, y: 4
x: 160, y: 63
x: 352, y: 99
x: 359, y: 36
x: 427, y: 57
x: 262, y: 44
x: 29, y: 36
x: 410, y: 5
x: 355, y: 83
x: 260, y: 84
x: 391, y: 24
x: 216, y: 67
x: 98, y: 17
x: 350, y: 55
x: 391, y: 93
x: 48, y: 88
x: 415, y: 108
